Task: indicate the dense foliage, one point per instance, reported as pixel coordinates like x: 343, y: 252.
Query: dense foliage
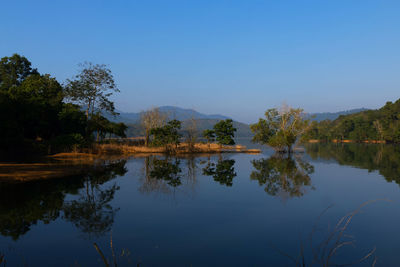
x: 209, y: 135
x: 35, y: 117
x: 167, y: 134
x: 224, y: 132
x: 380, y: 125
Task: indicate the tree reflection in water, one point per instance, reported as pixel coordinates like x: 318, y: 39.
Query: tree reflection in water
x: 222, y: 171
x: 25, y: 204
x: 283, y: 176
x: 165, y: 175
x: 91, y: 212
x: 385, y: 158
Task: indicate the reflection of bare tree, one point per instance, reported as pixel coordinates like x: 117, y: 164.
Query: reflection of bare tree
x: 92, y: 212
x: 284, y: 176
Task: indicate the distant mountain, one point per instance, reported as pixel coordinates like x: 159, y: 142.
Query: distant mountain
x: 173, y: 113
x: 243, y: 130
x: 204, y: 121
x: 332, y: 115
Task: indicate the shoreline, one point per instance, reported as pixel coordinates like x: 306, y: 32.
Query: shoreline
x: 344, y: 141
x: 182, y: 148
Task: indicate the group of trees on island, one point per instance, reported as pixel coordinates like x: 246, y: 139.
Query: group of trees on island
x: 37, y: 113
x: 160, y: 131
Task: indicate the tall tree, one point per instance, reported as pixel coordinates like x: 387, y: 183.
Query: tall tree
x: 167, y: 135
x: 92, y: 88
x: 191, y: 131
x: 280, y: 129
x: 13, y: 71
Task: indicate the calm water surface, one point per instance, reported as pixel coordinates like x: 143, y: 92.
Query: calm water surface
x: 217, y: 210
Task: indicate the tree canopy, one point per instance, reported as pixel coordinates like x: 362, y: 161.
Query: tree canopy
x: 280, y: 129
x: 92, y: 88
x: 225, y: 132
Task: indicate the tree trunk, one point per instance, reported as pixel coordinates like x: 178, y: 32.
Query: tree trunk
x: 146, y: 142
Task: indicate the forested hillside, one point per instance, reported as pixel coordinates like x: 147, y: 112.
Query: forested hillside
x: 332, y: 115
x: 371, y: 125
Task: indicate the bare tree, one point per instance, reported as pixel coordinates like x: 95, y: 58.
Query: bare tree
x: 151, y: 119
x: 191, y: 129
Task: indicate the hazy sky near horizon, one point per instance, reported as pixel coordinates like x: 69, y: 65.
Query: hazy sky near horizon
x: 236, y: 58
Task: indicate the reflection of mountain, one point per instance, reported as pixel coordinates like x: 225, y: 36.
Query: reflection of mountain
x: 283, y: 176
x: 25, y: 204
x: 381, y: 157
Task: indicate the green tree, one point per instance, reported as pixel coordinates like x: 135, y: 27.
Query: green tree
x: 225, y: 132
x: 29, y: 105
x: 92, y: 88
x: 280, y: 129
x: 13, y: 71
x: 209, y: 135
x: 167, y: 134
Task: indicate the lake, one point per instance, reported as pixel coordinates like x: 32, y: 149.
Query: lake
x: 212, y: 210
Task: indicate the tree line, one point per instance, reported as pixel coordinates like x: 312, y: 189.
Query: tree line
x: 371, y: 125
x: 160, y: 131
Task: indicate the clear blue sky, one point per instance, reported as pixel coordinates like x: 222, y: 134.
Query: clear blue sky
x: 236, y: 58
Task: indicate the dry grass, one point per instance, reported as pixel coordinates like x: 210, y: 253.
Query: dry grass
x: 182, y: 148
x: 323, y: 252
x: 353, y: 141
x: 34, y: 171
